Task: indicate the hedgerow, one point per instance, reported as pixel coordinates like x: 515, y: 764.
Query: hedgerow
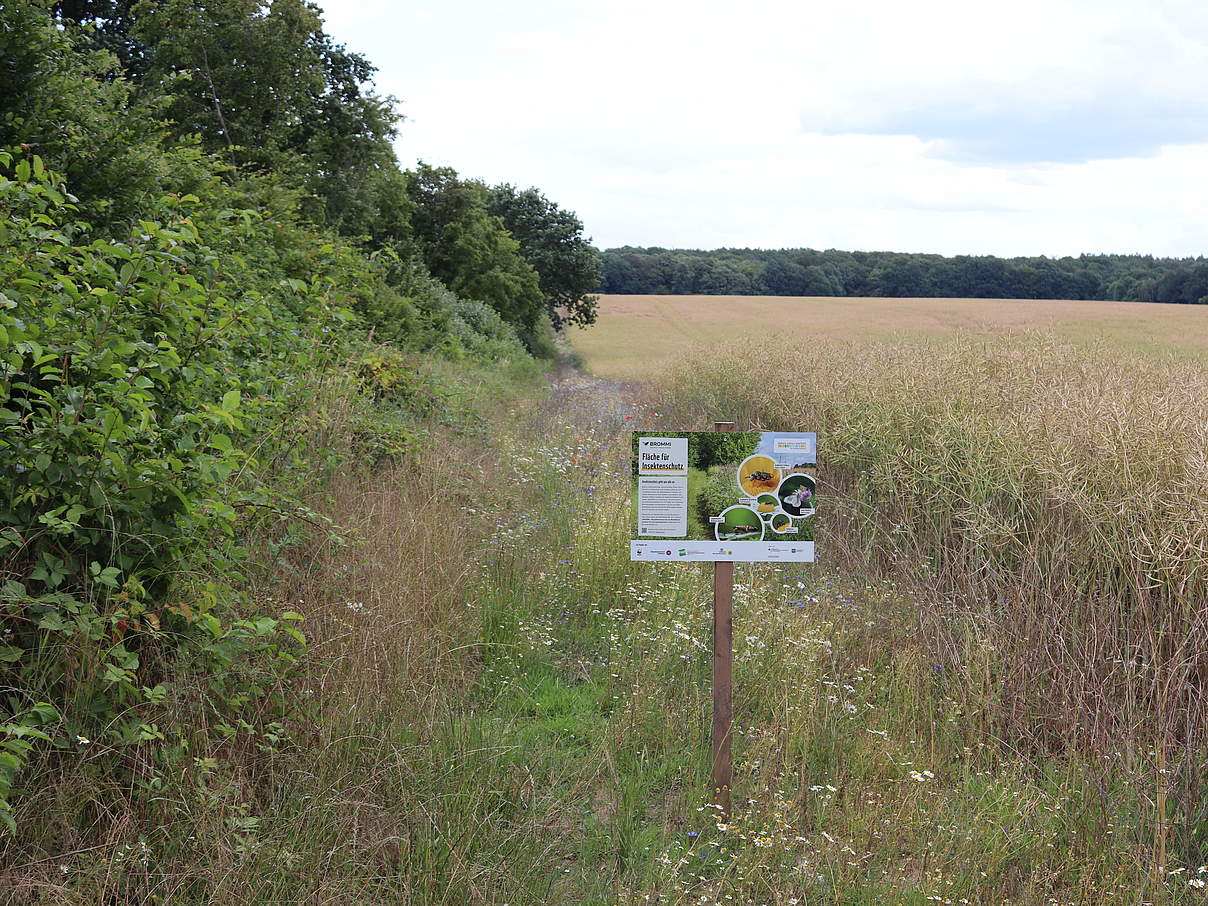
x: 143, y: 380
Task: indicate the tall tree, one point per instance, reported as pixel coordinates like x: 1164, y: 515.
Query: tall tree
x: 552, y: 241
x: 265, y: 86
x: 469, y: 248
x: 70, y: 104
x: 110, y: 27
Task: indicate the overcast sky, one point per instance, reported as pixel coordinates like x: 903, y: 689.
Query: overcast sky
x: 1018, y: 128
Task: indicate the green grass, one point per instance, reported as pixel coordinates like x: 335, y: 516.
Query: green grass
x: 521, y: 715
x: 696, y: 483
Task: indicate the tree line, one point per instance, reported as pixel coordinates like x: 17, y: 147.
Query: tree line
x: 131, y: 100
x: 218, y: 287
x: 808, y: 272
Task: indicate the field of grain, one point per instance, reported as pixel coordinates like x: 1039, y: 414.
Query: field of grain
x: 637, y: 335
x: 1027, y: 485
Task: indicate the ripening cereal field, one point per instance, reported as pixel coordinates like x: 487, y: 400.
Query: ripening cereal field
x: 1014, y: 556
x: 636, y: 335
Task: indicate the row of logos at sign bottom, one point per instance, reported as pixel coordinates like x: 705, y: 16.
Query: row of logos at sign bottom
x: 733, y: 552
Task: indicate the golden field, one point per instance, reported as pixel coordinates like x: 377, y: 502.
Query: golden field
x: 638, y: 335
x: 1029, y: 480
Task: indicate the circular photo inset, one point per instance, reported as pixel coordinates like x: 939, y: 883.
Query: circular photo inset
x: 796, y: 494
x: 782, y: 524
x: 739, y: 523
x: 758, y: 475
x: 767, y: 503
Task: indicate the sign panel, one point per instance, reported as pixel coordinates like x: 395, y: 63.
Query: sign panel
x: 662, y: 507
x: 663, y: 456
x: 742, y: 496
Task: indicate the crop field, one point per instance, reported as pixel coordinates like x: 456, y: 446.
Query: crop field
x: 635, y: 334
x: 1012, y: 555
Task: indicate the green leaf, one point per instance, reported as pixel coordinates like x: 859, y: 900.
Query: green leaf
x: 52, y: 621
x: 45, y: 713
x: 109, y: 576
x: 115, y: 674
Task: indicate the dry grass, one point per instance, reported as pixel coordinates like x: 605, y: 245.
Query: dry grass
x: 990, y: 689
x: 640, y: 336
x: 1050, y: 506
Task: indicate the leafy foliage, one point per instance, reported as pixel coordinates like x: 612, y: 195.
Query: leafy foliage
x: 806, y: 272
x: 719, y: 491
x: 551, y: 240
x: 69, y: 105
x: 726, y: 448
x: 132, y: 373
x: 136, y: 372
x: 203, y: 232
x: 470, y: 249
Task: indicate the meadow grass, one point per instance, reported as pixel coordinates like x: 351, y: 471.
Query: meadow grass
x: 978, y: 695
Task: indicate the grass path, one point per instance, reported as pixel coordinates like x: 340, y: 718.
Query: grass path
x: 575, y: 767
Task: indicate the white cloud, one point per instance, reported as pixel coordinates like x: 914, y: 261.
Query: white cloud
x: 948, y: 126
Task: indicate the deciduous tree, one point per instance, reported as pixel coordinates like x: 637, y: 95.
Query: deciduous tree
x: 551, y: 240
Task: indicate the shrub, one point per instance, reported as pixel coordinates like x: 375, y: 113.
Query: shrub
x: 720, y: 491
x: 483, y: 333
x: 133, y: 373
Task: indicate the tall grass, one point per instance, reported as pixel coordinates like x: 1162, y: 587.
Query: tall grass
x: 497, y: 707
x: 1049, y: 503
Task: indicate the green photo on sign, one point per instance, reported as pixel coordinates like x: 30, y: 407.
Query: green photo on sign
x: 752, y: 493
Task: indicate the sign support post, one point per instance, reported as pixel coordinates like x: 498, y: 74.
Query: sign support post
x: 723, y: 673
x: 766, y: 516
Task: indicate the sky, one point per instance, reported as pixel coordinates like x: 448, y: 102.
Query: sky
x: 1024, y: 128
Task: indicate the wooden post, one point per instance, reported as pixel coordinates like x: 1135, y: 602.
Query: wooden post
x: 723, y: 673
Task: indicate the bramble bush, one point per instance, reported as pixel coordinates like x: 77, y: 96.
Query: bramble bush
x: 131, y: 373
x: 143, y: 378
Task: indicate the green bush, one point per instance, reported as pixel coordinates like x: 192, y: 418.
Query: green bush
x: 134, y: 376
x: 483, y: 333
x: 720, y: 491
x: 540, y: 340
x: 717, y: 448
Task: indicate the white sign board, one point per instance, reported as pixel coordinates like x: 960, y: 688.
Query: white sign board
x: 746, y: 496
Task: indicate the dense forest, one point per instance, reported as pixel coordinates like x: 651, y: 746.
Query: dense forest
x: 806, y: 272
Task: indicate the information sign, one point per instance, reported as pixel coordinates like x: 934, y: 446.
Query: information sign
x: 737, y: 496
